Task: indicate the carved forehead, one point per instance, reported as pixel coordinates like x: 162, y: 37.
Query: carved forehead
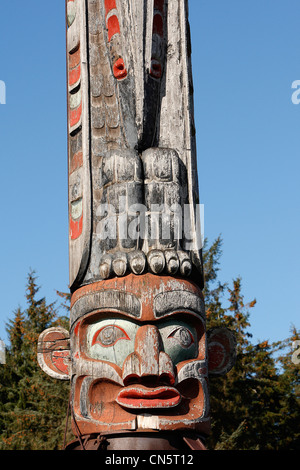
x: 146, y: 298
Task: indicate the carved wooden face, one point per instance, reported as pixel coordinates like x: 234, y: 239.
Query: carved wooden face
x: 140, y: 356
x: 141, y: 364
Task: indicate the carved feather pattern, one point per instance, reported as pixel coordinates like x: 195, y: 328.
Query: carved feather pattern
x: 105, y: 113
x: 137, y: 110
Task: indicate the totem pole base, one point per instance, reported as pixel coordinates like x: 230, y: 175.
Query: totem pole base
x: 138, y: 441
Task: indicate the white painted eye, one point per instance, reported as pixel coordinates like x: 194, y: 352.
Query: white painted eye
x: 109, y: 335
x: 183, y: 336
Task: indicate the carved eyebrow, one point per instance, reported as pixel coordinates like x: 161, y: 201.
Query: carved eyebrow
x: 174, y: 301
x: 108, y: 299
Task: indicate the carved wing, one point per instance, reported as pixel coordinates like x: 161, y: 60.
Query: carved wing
x: 131, y: 133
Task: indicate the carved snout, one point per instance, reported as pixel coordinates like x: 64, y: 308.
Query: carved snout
x: 148, y: 363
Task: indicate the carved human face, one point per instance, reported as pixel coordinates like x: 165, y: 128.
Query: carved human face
x: 138, y: 355
x: 139, y: 359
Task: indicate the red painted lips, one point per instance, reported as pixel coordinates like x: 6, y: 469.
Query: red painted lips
x: 139, y: 396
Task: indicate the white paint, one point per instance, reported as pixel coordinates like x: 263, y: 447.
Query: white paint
x: 79, y: 248
x: 148, y: 422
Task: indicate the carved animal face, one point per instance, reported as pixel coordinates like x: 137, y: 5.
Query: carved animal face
x: 139, y: 355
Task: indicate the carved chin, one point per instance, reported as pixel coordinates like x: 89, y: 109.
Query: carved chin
x: 141, y: 397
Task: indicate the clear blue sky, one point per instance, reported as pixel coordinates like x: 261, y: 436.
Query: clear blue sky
x: 245, y: 59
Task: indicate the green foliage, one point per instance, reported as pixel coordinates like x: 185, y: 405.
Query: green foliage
x: 32, y: 405
x: 256, y: 405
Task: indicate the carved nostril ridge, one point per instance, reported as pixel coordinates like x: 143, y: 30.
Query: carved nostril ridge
x: 166, y: 368
x: 131, y: 369
x: 131, y: 380
x: 148, y: 364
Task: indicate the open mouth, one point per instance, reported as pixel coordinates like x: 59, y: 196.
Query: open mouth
x: 139, y: 396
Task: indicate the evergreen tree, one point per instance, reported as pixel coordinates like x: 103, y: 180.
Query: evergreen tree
x: 32, y: 405
x: 288, y: 423
x: 254, y: 406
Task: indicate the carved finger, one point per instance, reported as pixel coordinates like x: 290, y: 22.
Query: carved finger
x: 156, y: 261
x: 185, y: 264
x: 105, y: 266
x: 172, y: 261
x: 137, y: 262
x: 119, y: 264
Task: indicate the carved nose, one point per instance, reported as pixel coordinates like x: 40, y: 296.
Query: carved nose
x: 148, y: 363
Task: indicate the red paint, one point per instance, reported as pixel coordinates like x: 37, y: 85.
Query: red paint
x: 76, y: 329
x: 159, y: 5
x: 74, y: 75
x: 74, y: 58
x: 167, y: 377
x: 158, y: 25
x: 202, y: 371
x: 75, y: 115
x: 138, y: 285
x: 60, y: 358
x: 76, y: 228
x: 113, y: 26
x: 216, y: 356
x: 155, y: 69
x: 119, y: 69
x: 77, y: 162
x: 139, y: 396
x: 109, y: 5
x: 121, y: 334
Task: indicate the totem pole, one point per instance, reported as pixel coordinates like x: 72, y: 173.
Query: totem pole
x: 137, y: 355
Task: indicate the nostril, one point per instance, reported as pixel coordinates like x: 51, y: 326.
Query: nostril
x: 167, y: 379
x: 166, y: 368
x: 131, y: 380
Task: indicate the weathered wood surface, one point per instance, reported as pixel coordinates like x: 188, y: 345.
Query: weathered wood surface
x: 138, y: 354
x: 131, y: 140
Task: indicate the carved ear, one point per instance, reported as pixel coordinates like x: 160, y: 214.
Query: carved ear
x: 53, y: 353
x: 221, y: 351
